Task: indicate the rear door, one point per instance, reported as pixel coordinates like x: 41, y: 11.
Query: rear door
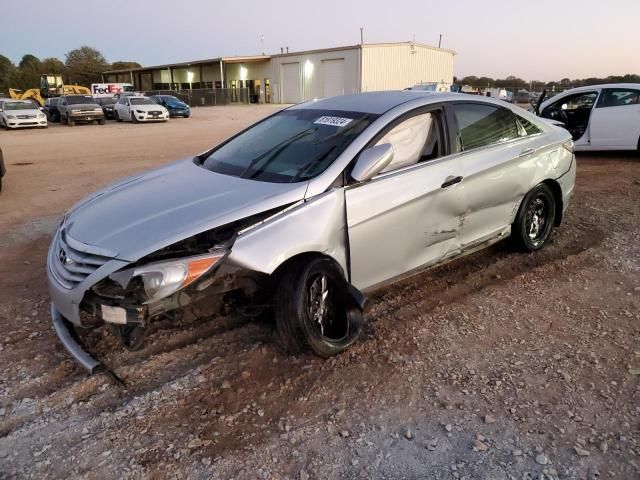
x: 408, y: 216
x: 500, y: 151
x: 615, y: 122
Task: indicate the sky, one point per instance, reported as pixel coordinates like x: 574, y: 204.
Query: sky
x: 534, y: 40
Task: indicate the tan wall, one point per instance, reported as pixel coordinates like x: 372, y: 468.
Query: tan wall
x: 395, y: 67
x: 254, y: 71
x: 311, y: 78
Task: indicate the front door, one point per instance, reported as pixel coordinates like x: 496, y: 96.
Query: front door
x: 574, y: 111
x: 409, y: 215
x: 615, y: 122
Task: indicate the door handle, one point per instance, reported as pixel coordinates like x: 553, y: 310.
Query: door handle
x: 526, y: 151
x: 451, y: 180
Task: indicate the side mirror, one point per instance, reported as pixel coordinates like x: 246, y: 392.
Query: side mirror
x: 372, y: 161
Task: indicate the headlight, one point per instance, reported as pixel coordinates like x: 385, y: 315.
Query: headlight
x: 75, y: 111
x: 165, y: 278
x: 569, y: 146
x: 41, y: 115
x: 11, y: 116
x: 97, y: 109
x: 140, y: 111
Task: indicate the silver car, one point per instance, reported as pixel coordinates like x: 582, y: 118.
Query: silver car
x: 304, y: 212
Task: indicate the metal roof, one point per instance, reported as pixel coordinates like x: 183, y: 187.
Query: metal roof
x: 258, y: 58
x: 370, y: 102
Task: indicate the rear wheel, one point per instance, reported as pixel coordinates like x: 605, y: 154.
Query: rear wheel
x: 71, y: 122
x: 314, y: 310
x: 534, y: 222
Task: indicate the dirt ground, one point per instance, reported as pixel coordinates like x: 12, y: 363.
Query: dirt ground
x: 501, y: 365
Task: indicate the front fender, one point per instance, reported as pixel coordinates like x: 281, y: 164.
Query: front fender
x: 315, y: 225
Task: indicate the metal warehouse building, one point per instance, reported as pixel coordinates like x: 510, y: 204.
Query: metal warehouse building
x: 295, y: 77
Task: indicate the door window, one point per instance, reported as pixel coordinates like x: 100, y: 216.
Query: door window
x: 482, y: 125
x: 414, y: 140
x: 618, y: 98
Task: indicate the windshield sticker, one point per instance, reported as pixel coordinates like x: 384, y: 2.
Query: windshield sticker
x: 333, y: 121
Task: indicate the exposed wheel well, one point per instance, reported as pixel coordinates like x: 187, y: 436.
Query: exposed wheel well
x: 557, y: 196
x: 300, y: 259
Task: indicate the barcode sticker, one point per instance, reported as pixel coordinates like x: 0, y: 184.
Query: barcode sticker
x: 333, y: 121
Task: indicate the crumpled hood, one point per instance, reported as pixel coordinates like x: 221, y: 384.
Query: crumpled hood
x: 144, y: 213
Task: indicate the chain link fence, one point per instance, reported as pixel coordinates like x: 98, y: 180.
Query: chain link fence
x: 202, y: 97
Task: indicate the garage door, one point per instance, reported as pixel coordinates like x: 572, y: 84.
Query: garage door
x: 333, y: 77
x: 291, y: 83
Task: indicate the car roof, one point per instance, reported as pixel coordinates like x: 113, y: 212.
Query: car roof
x: 381, y: 102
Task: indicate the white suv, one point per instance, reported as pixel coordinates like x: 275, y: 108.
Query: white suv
x: 139, y: 109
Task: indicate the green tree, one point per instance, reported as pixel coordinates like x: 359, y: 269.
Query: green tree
x: 7, y: 73
x: 52, y: 65
x: 85, y: 65
x: 122, y: 65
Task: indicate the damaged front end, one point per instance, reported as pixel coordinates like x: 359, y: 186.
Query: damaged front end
x: 193, y: 277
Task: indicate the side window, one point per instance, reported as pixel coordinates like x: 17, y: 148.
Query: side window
x: 526, y: 127
x: 417, y: 139
x: 618, y: 98
x: 482, y: 125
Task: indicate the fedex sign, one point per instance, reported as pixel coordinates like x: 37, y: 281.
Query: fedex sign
x: 109, y: 89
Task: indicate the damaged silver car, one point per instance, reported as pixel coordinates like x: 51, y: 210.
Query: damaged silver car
x: 306, y: 211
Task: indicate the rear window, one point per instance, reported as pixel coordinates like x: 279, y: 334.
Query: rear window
x: 483, y: 125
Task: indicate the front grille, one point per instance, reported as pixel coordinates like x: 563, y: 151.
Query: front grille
x: 153, y: 112
x: 25, y: 116
x: 73, y: 261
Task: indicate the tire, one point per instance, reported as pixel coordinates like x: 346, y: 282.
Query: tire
x: 102, y: 121
x: 71, y: 122
x: 533, y: 225
x: 116, y: 117
x: 133, y: 118
x: 301, y: 292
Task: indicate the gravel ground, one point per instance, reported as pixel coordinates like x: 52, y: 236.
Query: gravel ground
x: 501, y: 365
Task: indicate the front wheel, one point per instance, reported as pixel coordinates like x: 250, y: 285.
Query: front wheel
x: 134, y: 119
x: 534, y: 222
x: 314, y: 310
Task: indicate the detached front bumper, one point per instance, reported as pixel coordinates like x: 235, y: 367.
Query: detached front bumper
x: 66, y: 336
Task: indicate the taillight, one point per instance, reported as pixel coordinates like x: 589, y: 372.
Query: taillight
x: 569, y: 146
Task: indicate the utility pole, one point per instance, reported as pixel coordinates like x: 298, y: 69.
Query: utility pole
x: 361, y: 35
x: 440, y: 41
x: 262, y: 43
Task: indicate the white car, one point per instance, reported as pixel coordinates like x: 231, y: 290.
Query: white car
x: 599, y: 117
x: 21, y: 114
x: 139, y: 109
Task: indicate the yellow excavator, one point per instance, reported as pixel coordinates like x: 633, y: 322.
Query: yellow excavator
x: 51, y: 85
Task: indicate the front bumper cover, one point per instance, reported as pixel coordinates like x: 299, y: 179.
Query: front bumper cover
x: 66, y: 336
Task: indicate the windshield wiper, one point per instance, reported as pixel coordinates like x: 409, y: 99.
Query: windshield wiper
x: 275, y: 150
x: 311, y: 162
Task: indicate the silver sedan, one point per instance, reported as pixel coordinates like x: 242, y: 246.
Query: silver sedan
x: 305, y: 212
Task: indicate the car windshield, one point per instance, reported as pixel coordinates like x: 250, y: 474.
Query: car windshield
x: 19, y: 106
x: 80, y: 100
x: 141, y: 101
x: 290, y: 146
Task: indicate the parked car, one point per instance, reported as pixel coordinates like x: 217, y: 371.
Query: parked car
x: 306, y: 211
x: 50, y: 109
x: 175, y: 106
x: 79, y: 109
x: 139, y: 109
x: 3, y: 170
x: 108, y: 105
x: 599, y: 117
x: 21, y: 114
